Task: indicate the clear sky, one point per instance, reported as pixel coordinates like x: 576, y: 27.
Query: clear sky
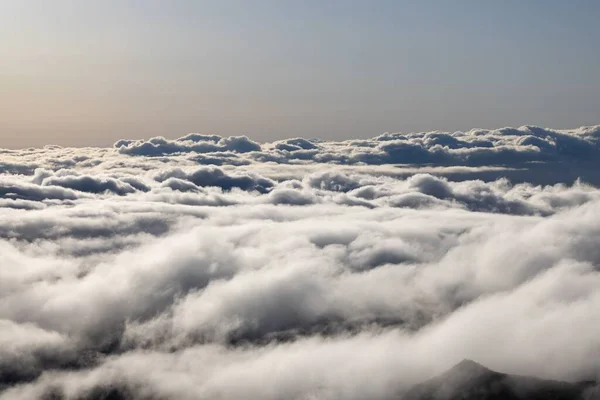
x: 77, y: 72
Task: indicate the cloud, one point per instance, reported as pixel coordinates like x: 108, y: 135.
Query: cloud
x: 191, y: 143
x: 210, y: 267
x: 10, y: 188
x: 216, y: 177
x: 90, y: 184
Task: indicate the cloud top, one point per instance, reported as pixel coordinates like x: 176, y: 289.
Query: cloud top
x: 210, y: 267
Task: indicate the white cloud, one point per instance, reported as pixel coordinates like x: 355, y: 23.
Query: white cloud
x: 297, y: 269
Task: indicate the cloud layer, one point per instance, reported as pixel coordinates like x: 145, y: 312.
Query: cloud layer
x: 210, y: 267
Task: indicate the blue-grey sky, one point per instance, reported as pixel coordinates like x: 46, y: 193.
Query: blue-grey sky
x: 90, y: 72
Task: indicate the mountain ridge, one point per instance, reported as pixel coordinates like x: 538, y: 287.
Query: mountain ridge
x: 469, y: 380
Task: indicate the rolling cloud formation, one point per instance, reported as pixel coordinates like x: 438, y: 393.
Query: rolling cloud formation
x: 221, y: 268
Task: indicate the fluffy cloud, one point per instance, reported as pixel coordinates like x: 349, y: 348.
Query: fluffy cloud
x: 191, y: 143
x: 209, y: 267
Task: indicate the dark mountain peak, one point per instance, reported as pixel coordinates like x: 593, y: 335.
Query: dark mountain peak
x: 468, y: 371
x: 471, y: 366
x: 470, y: 380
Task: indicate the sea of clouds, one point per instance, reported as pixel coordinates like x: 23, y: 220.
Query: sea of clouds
x: 212, y: 267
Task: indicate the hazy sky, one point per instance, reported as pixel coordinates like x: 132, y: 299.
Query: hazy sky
x: 90, y: 72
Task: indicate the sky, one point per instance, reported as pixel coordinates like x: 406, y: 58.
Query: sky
x: 81, y: 73
x: 213, y: 265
